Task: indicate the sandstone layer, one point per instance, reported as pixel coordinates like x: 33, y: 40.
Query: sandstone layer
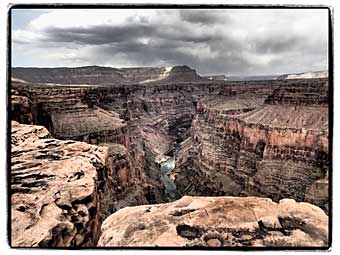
x: 218, y: 222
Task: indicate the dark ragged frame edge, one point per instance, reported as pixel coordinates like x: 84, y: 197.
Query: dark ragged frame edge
x: 176, y: 6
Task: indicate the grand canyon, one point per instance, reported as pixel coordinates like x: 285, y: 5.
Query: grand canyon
x: 162, y: 156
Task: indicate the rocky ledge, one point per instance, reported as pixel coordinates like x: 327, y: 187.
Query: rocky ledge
x: 56, y: 189
x: 218, y: 221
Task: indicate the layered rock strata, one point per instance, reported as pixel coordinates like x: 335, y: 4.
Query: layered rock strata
x: 275, y: 147
x: 62, y: 190
x: 217, y: 222
x: 312, y: 92
x: 67, y: 114
x: 98, y: 75
x: 237, y: 129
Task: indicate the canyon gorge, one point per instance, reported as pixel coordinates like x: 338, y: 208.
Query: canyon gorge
x: 164, y: 157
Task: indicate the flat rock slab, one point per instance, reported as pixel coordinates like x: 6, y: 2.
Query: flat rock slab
x: 217, y: 222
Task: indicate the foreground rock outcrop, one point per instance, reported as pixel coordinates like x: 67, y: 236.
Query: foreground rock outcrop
x: 61, y: 191
x: 216, y: 222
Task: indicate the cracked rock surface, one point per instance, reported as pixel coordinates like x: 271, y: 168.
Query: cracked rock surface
x: 218, y: 221
x: 54, y: 191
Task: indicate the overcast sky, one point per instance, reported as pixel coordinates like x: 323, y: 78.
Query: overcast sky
x: 234, y: 41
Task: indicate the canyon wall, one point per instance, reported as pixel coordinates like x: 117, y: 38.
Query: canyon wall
x: 266, y: 138
x: 276, y: 147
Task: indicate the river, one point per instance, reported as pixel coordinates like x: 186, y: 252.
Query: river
x: 166, y: 167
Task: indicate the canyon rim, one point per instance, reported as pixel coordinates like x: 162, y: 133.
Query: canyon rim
x: 178, y: 128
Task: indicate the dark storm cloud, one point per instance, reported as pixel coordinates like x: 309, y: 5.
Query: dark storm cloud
x: 150, y: 44
x: 211, y: 41
x: 170, y: 46
x: 206, y: 17
x: 171, y: 52
x: 148, y: 54
x: 98, y: 35
x: 173, y: 44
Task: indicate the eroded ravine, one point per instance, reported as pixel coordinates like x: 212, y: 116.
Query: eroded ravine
x: 222, y: 149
